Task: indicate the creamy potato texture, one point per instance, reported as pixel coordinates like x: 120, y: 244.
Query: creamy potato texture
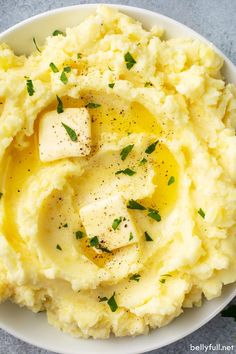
x: 117, y: 181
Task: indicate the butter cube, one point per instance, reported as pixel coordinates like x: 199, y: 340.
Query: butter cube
x: 109, y: 220
x: 56, y: 143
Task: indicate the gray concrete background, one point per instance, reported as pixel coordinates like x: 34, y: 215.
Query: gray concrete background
x: 214, y: 19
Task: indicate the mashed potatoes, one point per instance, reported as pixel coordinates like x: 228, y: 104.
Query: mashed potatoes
x: 117, y: 181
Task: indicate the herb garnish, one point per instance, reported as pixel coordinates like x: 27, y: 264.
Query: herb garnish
x: 132, y: 204
x: 116, y: 223
x: 171, y: 180
x: 201, y: 213
x: 151, y: 147
x: 131, y: 236
x: 79, y: 235
x: 67, y: 69
x: 148, y: 84
x: 125, y: 151
x: 53, y: 67
x: 30, y: 87
x: 59, y: 248
x: 94, y: 242
x: 127, y: 171
x: 1, y: 194
x: 230, y: 311
x: 111, y: 85
x: 135, y: 277
x: 162, y: 281
x: 101, y: 299
x: 36, y: 46
x: 64, y: 78
x: 147, y: 236
x: 143, y: 161
x: 154, y: 214
x: 72, y: 134
x: 112, y: 303
x: 60, y: 108
x: 79, y: 56
x: 92, y: 105
x: 65, y: 225
x: 129, y: 60
x: 57, y: 32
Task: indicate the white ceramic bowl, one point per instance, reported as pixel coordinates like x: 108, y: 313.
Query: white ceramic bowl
x: 33, y: 328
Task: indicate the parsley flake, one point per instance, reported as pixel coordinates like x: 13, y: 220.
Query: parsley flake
x: 72, y: 134
x: 135, y: 277
x: 30, y: 87
x: 132, y: 204
x: 162, y: 281
x: 64, y: 78
x: 111, y: 85
x: 79, y: 235
x: 65, y: 225
x: 60, y: 108
x: 171, y: 180
x: 127, y: 171
x: 129, y: 60
x: 67, y: 69
x: 57, y: 33
x: 116, y: 223
x: 143, y: 161
x: 201, y: 213
x: 112, y: 303
x: 79, y: 56
x: 101, y: 299
x: 147, y: 236
x: 131, y: 236
x: 53, y: 67
x: 94, y: 242
x: 154, y: 214
x: 125, y: 151
x: 36, y: 46
x: 230, y: 311
x: 151, y: 147
x: 59, y: 248
x: 92, y: 105
x: 148, y: 84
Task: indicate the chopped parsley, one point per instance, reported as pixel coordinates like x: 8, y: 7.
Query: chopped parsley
x: 230, y: 311
x: 36, y: 46
x: 30, y: 87
x: 92, y: 105
x: 60, y: 108
x: 143, y: 161
x: 116, y: 223
x: 127, y: 171
x: 79, y: 56
x: 129, y: 60
x: 171, y: 180
x: 53, y: 67
x: 148, y: 84
x: 135, y: 277
x: 1, y: 194
x: 64, y: 78
x: 111, y: 85
x: 162, y: 281
x: 201, y: 213
x: 72, y: 134
x: 94, y: 242
x: 65, y: 225
x: 103, y: 249
x: 79, y: 235
x: 112, y: 303
x: 132, y: 204
x: 101, y: 299
x: 154, y: 214
x: 151, y: 147
x: 67, y: 69
x: 125, y: 151
x: 147, y: 236
x: 59, y: 248
x: 57, y: 32
x: 131, y: 236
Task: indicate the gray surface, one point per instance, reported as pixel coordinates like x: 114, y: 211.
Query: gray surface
x: 214, y: 19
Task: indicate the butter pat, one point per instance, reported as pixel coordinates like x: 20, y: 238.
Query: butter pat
x: 55, y: 142
x: 110, y: 220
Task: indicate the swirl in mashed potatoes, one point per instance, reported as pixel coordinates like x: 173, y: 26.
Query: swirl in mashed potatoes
x: 117, y: 181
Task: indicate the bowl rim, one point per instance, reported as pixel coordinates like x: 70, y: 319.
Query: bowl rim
x: 227, y: 62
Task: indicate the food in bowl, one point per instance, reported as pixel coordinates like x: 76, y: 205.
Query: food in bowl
x: 117, y: 179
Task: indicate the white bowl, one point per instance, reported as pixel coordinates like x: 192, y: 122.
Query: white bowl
x: 33, y: 328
